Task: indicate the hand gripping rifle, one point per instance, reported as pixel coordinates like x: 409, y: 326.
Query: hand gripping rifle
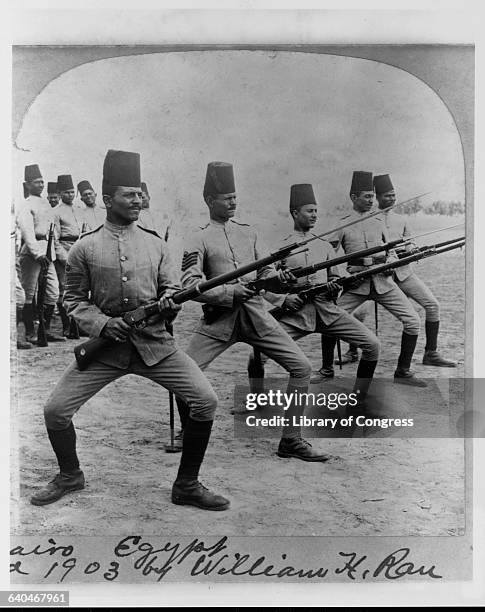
x: 85, y: 352
x: 347, y: 281
x: 41, y: 290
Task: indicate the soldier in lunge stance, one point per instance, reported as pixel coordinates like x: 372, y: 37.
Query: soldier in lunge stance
x: 233, y: 312
x: 406, y: 279
x: 380, y: 288
x: 34, y: 218
x: 321, y: 314
x: 114, y: 269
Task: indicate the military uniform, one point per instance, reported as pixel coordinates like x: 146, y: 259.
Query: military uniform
x: 91, y: 216
x: 112, y: 270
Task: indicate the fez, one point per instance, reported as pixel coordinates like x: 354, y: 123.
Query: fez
x: 382, y: 184
x: 64, y: 182
x: 144, y: 188
x: 83, y: 185
x: 32, y: 173
x: 121, y: 168
x: 51, y: 187
x: 219, y: 179
x: 361, y: 181
x: 301, y: 195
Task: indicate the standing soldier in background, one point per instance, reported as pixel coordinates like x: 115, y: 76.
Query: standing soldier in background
x: 69, y: 222
x: 93, y: 215
x: 405, y: 277
x: 380, y: 288
x: 115, y: 269
x: 233, y: 312
x: 52, y: 194
x: 147, y: 217
x: 34, y: 218
x: 321, y: 314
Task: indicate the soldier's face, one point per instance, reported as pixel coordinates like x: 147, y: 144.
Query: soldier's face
x: 145, y: 200
x: 222, y: 206
x: 53, y: 199
x: 386, y: 199
x: 36, y: 187
x: 68, y: 196
x: 88, y: 196
x: 305, y: 217
x: 125, y: 204
x: 364, y: 201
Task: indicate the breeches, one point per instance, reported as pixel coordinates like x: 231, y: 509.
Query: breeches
x: 415, y: 289
x: 29, y: 276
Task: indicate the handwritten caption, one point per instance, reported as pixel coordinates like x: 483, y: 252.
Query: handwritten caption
x: 56, y: 563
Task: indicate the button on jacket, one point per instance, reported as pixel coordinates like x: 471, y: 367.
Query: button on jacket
x: 34, y: 218
x: 397, y: 227
x: 115, y: 269
x: 318, y: 251
x: 220, y: 248
x: 364, y: 235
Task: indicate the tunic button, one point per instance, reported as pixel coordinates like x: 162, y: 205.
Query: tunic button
x: 123, y: 258
x: 125, y: 300
x: 124, y: 279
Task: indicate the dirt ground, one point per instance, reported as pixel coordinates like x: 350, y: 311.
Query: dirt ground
x: 378, y: 485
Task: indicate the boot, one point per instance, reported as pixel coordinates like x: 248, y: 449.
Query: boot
x: 187, y: 490
x: 73, y: 333
x: 350, y: 356
x: 21, y: 344
x: 28, y: 319
x: 431, y: 355
x: 64, y: 319
x: 255, y: 372
x: 365, y: 373
x: 70, y: 477
x: 403, y: 374
x: 328, y: 349
x: 299, y: 448
x: 48, y: 313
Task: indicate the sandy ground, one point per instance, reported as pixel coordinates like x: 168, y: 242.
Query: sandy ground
x: 379, y: 485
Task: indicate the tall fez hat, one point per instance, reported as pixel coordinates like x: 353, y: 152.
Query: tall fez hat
x: 144, y: 188
x: 83, y: 185
x: 64, y: 182
x: 51, y: 187
x: 382, y: 183
x: 219, y: 178
x: 361, y: 181
x: 31, y: 173
x: 121, y: 168
x: 301, y: 195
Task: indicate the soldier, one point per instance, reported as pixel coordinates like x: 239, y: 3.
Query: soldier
x: 117, y: 268
x: 69, y: 221
x: 405, y: 277
x: 92, y: 214
x: 234, y: 313
x: 147, y: 217
x: 380, y: 288
x: 34, y: 218
x: 52, y: 194
x: 321, y: 315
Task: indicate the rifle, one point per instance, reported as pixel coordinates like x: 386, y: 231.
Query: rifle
x: 41, y: 291
x: 347, y: 281
x: 428, y: 247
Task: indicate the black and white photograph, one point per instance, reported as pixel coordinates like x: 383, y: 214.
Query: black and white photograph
x: 242, y: 309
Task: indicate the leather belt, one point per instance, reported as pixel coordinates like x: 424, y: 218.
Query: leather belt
x: 68, y: 238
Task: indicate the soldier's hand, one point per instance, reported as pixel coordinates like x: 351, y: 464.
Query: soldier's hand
x: 334, y: 289
x: 242, y: 293
x: 167, y: 305
x: 293, y: 302
x: 44, y: 261
x: 116, y: 329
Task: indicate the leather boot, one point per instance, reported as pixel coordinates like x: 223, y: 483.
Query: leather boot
x: 21, y: 344
x: 28, y: 319
x: 299, y: 448
x: 255, y: 372
x: 64, y: 318
x: 73, y: 333
x: 187, y: 490
x: 431, y: 355
x: 403, y: 374
x: 48, y: 312
x: 328, y: 344
x: 351, y: 356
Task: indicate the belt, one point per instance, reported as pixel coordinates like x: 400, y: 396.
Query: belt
x: 68, y: 238
x: 41, y: 236
x: 368, y: 261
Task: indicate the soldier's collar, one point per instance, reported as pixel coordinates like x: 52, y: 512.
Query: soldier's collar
x: 119, y: 228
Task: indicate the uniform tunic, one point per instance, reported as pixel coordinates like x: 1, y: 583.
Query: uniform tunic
x: 112, y: 270
x: 69, y: 220
x: 92, y: 216
x: 34, y: 218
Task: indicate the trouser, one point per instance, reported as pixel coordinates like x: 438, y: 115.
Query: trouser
x: 29, y: 275
x: 276, y: 344
x: 177, y: 373
x: 417, y: 290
